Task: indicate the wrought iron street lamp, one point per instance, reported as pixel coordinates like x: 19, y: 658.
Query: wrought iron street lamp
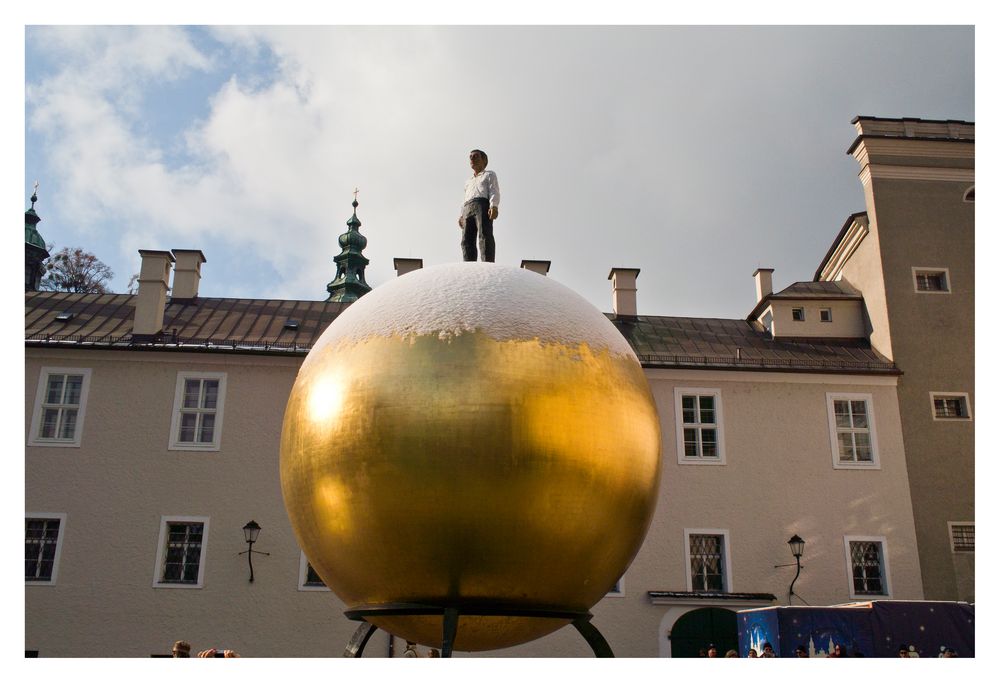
x: 250, y: 532
x: 796, y: 545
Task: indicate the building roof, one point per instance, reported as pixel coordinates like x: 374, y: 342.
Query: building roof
x: 207, y: 322
x: 669, y: 342
x: 262, y: 326
x: 836, y: 241
x: 818, y: 290
x: 936, y: 130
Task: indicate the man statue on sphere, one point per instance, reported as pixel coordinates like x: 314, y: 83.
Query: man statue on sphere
x: 481, y: 208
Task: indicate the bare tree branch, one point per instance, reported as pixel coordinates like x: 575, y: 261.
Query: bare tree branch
x: 76, y: 270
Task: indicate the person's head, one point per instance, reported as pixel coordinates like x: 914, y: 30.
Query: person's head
x: 948, y: 652
x: 903, y: 651
x: 478, y: 160
x: 768, y: 648
x: 713, y: 651
x: 702, y: 653
x: 752, y: 653
x: 181, y: 648
x: 801, y: 651
x: 433, y: 653
x: 731, y: 653
x: 839, y: 650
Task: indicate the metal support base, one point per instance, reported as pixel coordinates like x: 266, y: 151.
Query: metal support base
x: 450, y: 614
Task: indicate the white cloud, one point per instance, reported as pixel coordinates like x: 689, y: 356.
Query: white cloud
x: 681, y: 151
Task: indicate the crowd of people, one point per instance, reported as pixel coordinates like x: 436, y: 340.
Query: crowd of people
x: 838, y: 651
x: 182, y: 649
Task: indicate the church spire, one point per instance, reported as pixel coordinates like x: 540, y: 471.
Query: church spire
x: 34, y: 247
x: 349, y: 284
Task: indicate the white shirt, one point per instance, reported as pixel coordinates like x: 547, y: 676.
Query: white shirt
x: 483, y: 185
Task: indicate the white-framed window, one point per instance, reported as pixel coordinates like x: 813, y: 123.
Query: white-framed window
x: 60, y: 405
x: 798, y: 314
x: 826, y: 315
x: 963, y: 537
x: 706, y: 556
x: 309, y: 580
x: 43, y: 536
x: 699, y: 426
x: 950, y: 405
x: 180, y: 553
x: 868, y: 566
x: 852, y: 431
x: 197, y: 418
x: 930, y: 280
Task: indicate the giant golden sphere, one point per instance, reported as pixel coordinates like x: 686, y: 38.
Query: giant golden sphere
x: 471, y: 433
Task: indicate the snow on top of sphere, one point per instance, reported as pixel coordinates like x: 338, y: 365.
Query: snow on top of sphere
x: 503, y: 302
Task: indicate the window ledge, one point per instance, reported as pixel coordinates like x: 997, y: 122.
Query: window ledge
x: 193, y: 447
x: 177, y: 585
x: 857, y: 466
x: 700, y: 461
x: 700, y: 598
x: 44, y: 443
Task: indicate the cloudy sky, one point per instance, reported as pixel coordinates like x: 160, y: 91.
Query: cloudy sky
x: 694, y: 154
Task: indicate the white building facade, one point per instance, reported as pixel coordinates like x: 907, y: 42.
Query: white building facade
x: 152, y: 427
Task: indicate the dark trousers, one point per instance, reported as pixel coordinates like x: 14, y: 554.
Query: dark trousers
x: 478, y: 222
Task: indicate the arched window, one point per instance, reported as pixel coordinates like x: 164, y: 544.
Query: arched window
x: 970, y: 194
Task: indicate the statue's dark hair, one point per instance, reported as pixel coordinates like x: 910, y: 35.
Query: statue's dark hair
x: 485, y: 157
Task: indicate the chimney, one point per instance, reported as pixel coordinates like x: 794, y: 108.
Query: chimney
x: 187, y: 273
x: 762, y: 276
x: 540, y: 267
x: 406, y: 265
x: 154, y: 274
x: 623, y: 291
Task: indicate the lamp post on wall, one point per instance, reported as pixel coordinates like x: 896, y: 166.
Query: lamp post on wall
x: 250, y: 532
x: 796, y: 545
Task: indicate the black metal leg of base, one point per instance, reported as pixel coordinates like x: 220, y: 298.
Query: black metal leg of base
x: 450, y: 628
x: 358, y: 641
x: 593, y: 637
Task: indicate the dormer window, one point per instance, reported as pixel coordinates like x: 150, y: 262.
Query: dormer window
x: 798, y: 314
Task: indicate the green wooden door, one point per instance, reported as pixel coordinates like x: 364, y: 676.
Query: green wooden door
x: 698, y: 628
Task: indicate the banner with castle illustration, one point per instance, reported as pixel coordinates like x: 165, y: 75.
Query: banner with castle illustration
x: 873, y: 629
x: 818, y: 629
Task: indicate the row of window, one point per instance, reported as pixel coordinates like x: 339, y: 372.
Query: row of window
x: 851, y: 418
x: 707, y: 558
x: 708, y: 561
x: 60, y: 404
x: 180, y: 556
x: 196, y: 422
x: 825, y: 315
x: 925, y: 281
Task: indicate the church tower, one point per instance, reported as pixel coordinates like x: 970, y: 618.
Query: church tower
x: 34, y: 248
x: 349, y: 284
